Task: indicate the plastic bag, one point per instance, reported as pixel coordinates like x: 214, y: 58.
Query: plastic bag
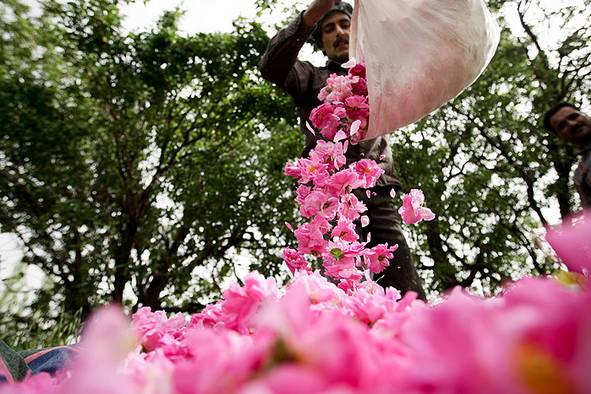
x: 419, y: 54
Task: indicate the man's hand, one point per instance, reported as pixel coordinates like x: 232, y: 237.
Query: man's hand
x: 317, y: 9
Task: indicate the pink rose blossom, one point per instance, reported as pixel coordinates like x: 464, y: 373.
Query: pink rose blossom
x: 310, y: 239
x: 351, y: 207
x: 370, y: 302
x: 345, y: 230
x: 312, y: 171
x: 344, y: 181
x: 358, y: 71
x: 302, y: 192
x: 369, y: 171
x: 158, y: 331
x: 572, y: 242
x: 338, y: 88
x: 357, y: 107
x: 319, y: 203
x: 331, y: 154
x: 295, y: 261
x: 241, y: 303
x: 412, y: 210
x: 378, y: 257
x: 292, y: 169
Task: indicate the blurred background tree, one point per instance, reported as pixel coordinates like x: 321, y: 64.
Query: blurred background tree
x: 146, y: 168
x: 494, y: 174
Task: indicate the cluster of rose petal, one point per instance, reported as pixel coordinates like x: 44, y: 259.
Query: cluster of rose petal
x: 325, y: 193
x: 313, y: 337
x: 344, y: 114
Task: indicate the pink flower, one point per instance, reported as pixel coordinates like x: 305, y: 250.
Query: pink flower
x: 351, y: 207
x: 358, y: 71
x: 378, y: 257
x: 290, y: 379
x: 345, y: 230
x: 319, y: 203
x: 357, y: 107
x: 223, y: 361
x: 325, y: 118
x: 572, y: 242
x: 329, y: 153
x: 360, y: 87
x: 337, y: 349
x: 369, y: 171
x: 340, y: 258
x: 295, y: 261
x: 107, y: 341
x: 241, y: 303
x: 302, y: 192
x: 337, y: 89
x: 344, y: 182
x: 321, y: 224
x: 412, y: 210
x: 208, y: 317
x: 534, y: 341
x: 310, y: 239
x: 370, y: 302
x: 319, y: 289
x: 42, y: 383
x: 312, y: 171
x: 292, y: 169
x: 158, y: 331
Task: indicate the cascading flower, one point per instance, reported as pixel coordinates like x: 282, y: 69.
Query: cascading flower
x: 378, y: 257
x: 412, y: 210
x: 368, y: 171
x: 295, y: 261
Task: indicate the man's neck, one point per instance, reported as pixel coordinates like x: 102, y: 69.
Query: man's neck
x: 334, y: 63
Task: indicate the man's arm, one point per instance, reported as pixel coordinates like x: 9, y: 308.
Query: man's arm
x: 585, y: 189
x: 280, y: 62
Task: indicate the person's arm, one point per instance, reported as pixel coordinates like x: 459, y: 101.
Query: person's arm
x: 585, y: 189
x: 280, y: 63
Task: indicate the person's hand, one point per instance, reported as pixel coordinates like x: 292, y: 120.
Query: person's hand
x: 317, y: 9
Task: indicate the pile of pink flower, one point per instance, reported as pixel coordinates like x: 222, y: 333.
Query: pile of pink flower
x: 314, y: 336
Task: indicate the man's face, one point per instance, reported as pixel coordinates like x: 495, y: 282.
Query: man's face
x: 571, y: 125
x: 335, y: 37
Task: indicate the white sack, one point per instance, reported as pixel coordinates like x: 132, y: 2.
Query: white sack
x: 419, y: 54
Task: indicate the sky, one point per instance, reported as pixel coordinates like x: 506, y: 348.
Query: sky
x: 207, y: 16
x: 201, y: 15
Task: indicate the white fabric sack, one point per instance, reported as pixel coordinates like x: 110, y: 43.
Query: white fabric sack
x: 419, y: 54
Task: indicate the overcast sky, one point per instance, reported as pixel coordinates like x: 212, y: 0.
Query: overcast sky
x: 207, y: 16
x: 201, y: 15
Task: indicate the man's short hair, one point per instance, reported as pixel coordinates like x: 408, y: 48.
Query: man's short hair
x: 316, y: 37
x: 550, y: 113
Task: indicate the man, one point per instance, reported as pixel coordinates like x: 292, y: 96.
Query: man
x: 328, y: 22
x: 573, y: 126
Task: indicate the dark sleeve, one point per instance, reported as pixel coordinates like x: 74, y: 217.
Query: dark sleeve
x: 280, y: 63
x: 583, y: 181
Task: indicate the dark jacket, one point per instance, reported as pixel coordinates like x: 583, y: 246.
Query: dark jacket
x: 303, y: 81
x: 583, y: 177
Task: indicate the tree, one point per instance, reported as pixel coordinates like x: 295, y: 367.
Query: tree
x: 494, y: 174
x: 149, y: 163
